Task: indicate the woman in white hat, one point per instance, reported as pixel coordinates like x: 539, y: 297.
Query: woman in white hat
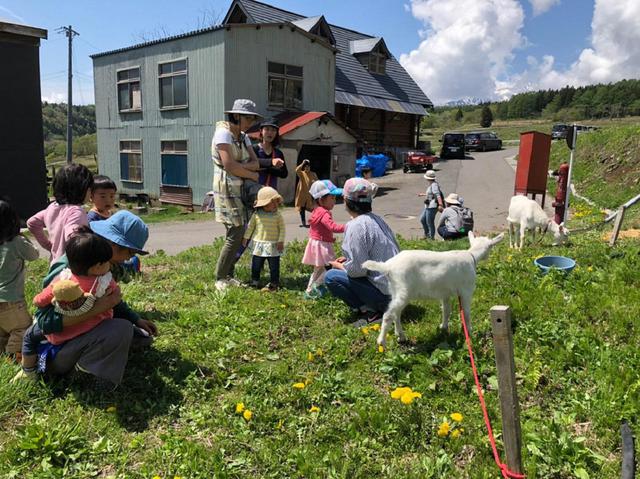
x: 234, y: 160
x: 450, y: 224
x: 432, y: 204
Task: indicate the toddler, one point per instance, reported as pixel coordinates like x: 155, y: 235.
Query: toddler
x: 15, y: 249
x: 103, y: 197
x: 73, y: 293
x: 319, y: 251
x: 266, y: 231
x: 61, y: 218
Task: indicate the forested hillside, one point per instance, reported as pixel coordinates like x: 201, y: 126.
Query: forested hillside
x: 54, y: 119
x: 614, y: 100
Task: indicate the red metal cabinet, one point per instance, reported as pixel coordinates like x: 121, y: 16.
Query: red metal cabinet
x: 533, y: 164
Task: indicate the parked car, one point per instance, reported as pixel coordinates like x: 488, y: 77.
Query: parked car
x: 559, y: 131
x: 418, y: 161
x: 482, y: 141
x: 452, y: 145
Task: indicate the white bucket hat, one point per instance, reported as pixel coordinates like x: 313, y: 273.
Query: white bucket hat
x: 430, y: 175
x: 452, y: 199
x: 242, y: 106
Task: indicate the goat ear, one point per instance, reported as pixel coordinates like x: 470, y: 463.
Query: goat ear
x: 497, y: 239
x: 471, y: 235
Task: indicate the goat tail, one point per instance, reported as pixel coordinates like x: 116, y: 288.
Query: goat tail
x: 375, y: 266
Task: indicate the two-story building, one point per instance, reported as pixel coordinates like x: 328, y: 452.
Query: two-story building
x: 157, y: 102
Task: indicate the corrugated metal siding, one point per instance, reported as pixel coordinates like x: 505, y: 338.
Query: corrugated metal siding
x: 249, y: 49
x: 205, y: 55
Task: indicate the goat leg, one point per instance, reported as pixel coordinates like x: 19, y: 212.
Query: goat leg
x: 446, y: 312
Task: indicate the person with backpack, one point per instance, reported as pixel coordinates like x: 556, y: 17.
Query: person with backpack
x: 456, y: 220
x: 433, y: 203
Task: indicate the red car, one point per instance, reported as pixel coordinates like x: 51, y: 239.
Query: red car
x: 418, y: 161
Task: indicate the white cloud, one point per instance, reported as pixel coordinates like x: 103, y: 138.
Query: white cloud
x: 54, y: 96
x: 612, y: 56
x: 541, y: 6
x: 468, y: 44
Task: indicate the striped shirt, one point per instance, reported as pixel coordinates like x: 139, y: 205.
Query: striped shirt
x: 266, y: 226
x: 368, y: 237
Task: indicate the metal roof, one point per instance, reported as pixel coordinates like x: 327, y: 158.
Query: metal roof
x: 363, y: 46
x: 351, y: 76
x: 367, y: 101
x: 292, y: 120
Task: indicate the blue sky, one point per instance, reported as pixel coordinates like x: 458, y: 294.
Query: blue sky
x: 421, y: 33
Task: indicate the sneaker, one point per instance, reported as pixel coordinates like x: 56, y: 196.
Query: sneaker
x: 255, y: 284
x: 311, y: 294
x: 222, y: 285
x: 235, y: 282
x: 270, y: 288
x: 371, y: 318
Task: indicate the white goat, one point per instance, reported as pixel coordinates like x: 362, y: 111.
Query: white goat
x: 439, y: 275
x: 530, y: 216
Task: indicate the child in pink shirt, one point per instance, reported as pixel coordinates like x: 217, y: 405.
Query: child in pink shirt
x: 71, y: 188
x: 319, y: 251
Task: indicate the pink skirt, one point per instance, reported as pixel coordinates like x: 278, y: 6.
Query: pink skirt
x: 318, y: 253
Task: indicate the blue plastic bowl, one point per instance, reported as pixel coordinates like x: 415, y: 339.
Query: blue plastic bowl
x: 545, y: 263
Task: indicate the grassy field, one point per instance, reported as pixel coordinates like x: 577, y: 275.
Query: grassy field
x: 318, y: 390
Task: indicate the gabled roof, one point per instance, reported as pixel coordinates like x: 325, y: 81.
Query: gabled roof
x: 317, y: 25
x: 292, y: 120
x: 368, y: 45
x: 351, y: 76
x: 23, y: 30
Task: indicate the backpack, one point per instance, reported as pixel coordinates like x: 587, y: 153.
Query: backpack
x: 431, y: 196
x: 465, y: 218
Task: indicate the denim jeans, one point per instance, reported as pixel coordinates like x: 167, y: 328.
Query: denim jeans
x: 356, y: 292
x: 448, y: 235
x: 257, y: 263
x: 428, y: 220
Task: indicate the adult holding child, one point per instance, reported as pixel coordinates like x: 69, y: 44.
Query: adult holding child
x: 367, y: 237
x: 234, y: 161
x: 103, y: 351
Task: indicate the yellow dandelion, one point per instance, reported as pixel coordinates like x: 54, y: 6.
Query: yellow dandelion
x: 457, y: 417
x: 590, y: 268
x: 280, y: 424
x: 375, y: 327
x: 319, y: 352
x: 111, y: 409
x: 310, y: 356
x: 240, y: 408
x: 365, y: 330
x: 455, y: 434
x: 156, y: 477
x: 283, y: 306
x: 177, y: 477
x: 398, y: 392
x: 247, y: 415
x: 314, y: 409
x: 299, y: 385
x: 444, y: 429
x: 408, y: 397
x: 380, y: 348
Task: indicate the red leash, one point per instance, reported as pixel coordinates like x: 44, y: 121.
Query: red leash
x: 496, y: 456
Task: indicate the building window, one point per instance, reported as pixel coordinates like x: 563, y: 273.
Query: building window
x: 285, y: 86
x: 173, y: 84
x: 174, y: 163
x: 129, y: 96
x: 131, y: 160
x: 377, y: 62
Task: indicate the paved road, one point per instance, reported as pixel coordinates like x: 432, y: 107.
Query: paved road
x: 484, y: 180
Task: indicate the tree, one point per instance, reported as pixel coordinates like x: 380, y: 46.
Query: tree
x: 486, y: 117
x: 459, y: 115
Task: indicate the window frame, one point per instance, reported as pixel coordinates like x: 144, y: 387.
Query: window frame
x: 285, y: 77
x: 129, y: 151
x: 184, y: 152
x: 173, y: 74
x: 128, y: 81
x: 379, y: 62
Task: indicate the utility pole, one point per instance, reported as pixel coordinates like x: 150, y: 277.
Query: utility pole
x: 70, y: 33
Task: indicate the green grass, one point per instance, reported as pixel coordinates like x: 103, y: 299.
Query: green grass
x: 577, y: 363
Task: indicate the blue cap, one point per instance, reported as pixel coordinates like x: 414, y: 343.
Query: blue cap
x: 124, y: 229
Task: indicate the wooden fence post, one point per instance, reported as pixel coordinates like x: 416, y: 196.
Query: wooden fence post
x: 503, y: 344
x: 617, y: 225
